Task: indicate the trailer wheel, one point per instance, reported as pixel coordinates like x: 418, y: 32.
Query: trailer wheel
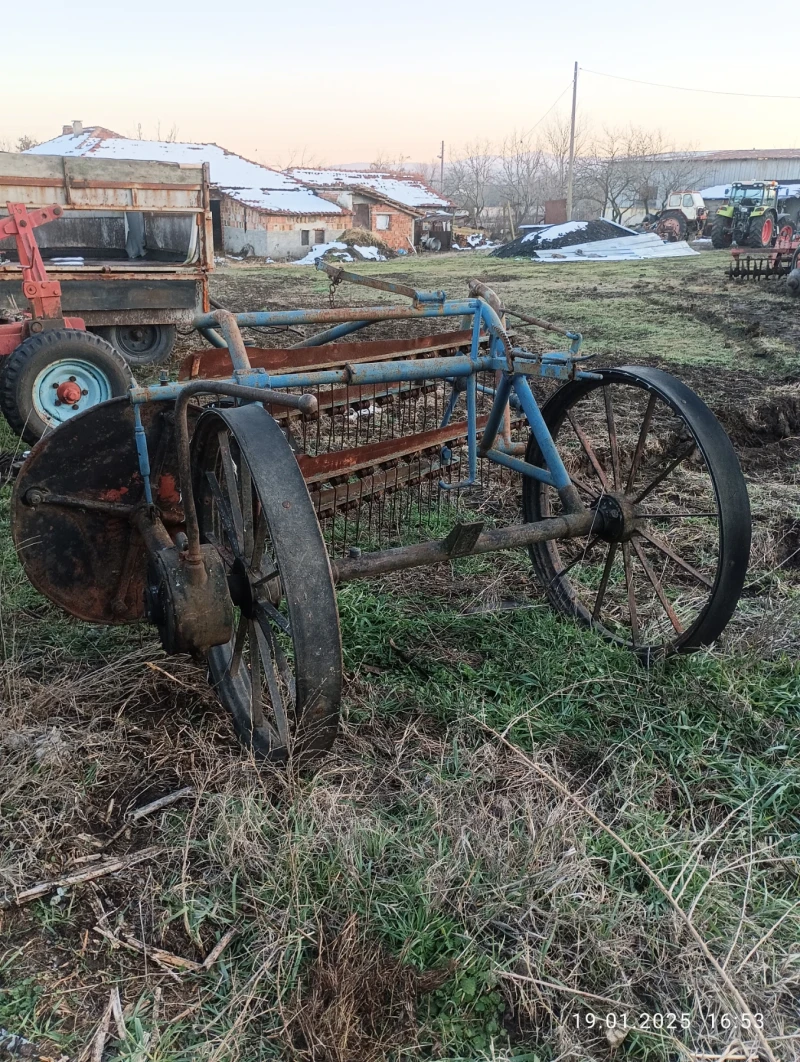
x: 54, y: 375
x: 280, y: 675
x: 665, y: 569
x: 147, y: 344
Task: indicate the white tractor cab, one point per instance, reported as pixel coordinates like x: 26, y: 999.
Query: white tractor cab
x: 682, y: 218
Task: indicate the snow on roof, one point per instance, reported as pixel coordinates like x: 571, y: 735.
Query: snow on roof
x: 404, y: 189
x: 250, y: 183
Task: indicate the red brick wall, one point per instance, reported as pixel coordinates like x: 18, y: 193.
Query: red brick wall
x: 401, y: 227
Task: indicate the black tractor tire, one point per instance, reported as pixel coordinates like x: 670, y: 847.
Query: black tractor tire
x: 107, y: 376
x: 672, y: 226
x: 721, y: 234
x: 148, y: 344
x: 761, y: 231
x: 786, y: 228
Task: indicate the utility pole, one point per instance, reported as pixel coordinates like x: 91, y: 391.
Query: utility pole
x: 441, y: 170
x: 571, y: 169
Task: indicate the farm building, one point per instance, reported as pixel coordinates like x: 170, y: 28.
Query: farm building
x: 399, y: 207
x: 255, y: 210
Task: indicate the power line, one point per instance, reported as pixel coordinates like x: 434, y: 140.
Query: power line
x: 550, y: 108
x: 685, y: 88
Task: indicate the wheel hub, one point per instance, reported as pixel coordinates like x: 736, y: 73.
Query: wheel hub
x: 240, y: 588
x: 68, y: 392
x: 617, y: 518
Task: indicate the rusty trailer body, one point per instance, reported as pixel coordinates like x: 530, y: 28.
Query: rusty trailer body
x: 132, y: 249
x: 226, y: 507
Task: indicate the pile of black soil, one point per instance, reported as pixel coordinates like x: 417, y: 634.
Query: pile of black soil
x: 567, y: 235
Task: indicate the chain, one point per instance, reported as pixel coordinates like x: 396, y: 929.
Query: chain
x: 332, y: 293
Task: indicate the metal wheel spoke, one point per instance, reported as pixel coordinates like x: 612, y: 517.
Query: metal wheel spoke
x: 666, y: 549
x: 231, y: 488
x: 259, y: 542
x: 238, y: 646
x: 265, y: 645
x: 256, y: 708
x: 224, y: 552
x: 246, y: 502
x: 575, y: 560
x: 659, y: 589
x: 588, y: 449
x: 663, y: 475
x: 277, y: 618
x: 225, y: 514
x: 612, y: 437
x: 678, y: 516
x: 637, y: 456
x: 634, y: 616
x: 601, y: 592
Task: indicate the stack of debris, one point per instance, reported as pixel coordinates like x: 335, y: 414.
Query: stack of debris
x: 575, y: 241
x: 354, y: 245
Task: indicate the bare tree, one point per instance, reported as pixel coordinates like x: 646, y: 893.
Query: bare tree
x: 520, y: 176
x: 469, y: 176
x: 385, y: 161
x: 25, y: 142
x: 299, y: 158
x: 554, y: 142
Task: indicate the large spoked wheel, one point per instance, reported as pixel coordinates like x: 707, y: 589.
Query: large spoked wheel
x: 665, y: 567
x: 280, y: 676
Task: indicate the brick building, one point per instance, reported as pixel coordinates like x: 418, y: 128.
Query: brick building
x: 398, y: 207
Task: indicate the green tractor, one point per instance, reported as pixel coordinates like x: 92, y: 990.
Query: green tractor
x: 750, y: 217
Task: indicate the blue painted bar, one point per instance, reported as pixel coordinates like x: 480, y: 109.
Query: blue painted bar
x: 542, y: 434
x: 141, y: 449
x: 502, y: 393
x: 267, y: 318
x: 532, y: 471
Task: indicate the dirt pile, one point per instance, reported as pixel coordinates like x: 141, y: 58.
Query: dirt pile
x: 569, y: 234
x: 355, y: 238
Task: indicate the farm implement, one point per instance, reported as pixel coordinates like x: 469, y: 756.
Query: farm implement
x: 226, y: 507
x: 768, y: 264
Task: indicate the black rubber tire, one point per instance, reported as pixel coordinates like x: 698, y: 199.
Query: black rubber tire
x: 296, y: 563
x: 666, y: 231
x: 786, y: 227
x: 731, y: 493
x: 22, y: 366
x: 755, y: 231
x: 721, y: 235
x: 153, y: 348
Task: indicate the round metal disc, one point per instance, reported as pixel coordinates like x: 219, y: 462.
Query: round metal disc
x: 93, y: 564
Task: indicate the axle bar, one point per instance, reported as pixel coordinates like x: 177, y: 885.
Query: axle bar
x: 367, y: 565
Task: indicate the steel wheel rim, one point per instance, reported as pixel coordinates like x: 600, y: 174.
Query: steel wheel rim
x: 61, y: 381
x: 280, y: 674
x: 137, y: 340
x: 690, y: 605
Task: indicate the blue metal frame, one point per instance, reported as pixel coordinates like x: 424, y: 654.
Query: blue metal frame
x: 515, y: 366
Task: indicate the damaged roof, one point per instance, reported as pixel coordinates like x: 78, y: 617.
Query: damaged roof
x: 405, y: 189
x: 256, y: 186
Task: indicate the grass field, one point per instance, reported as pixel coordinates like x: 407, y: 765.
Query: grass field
x: 524, y: 846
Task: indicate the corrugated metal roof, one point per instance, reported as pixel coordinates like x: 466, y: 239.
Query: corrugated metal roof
x: 403, y: 189
x: 250, y: 183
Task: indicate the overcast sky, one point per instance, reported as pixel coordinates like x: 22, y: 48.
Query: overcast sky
x: 357, y: 80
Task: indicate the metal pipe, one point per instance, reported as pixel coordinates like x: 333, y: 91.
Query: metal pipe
x: 337, y: 274
x: 213, y: 338
x: 340, y: 315
x: 367, y: 565
x: 330, y: 335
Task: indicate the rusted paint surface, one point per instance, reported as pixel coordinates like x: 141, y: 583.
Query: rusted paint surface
x: 85, y: 560
x: 341, y: 462
x: 216, y: 363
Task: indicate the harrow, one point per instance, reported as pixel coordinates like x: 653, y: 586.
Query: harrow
x: 226, y: 507
x: 778, y: 261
